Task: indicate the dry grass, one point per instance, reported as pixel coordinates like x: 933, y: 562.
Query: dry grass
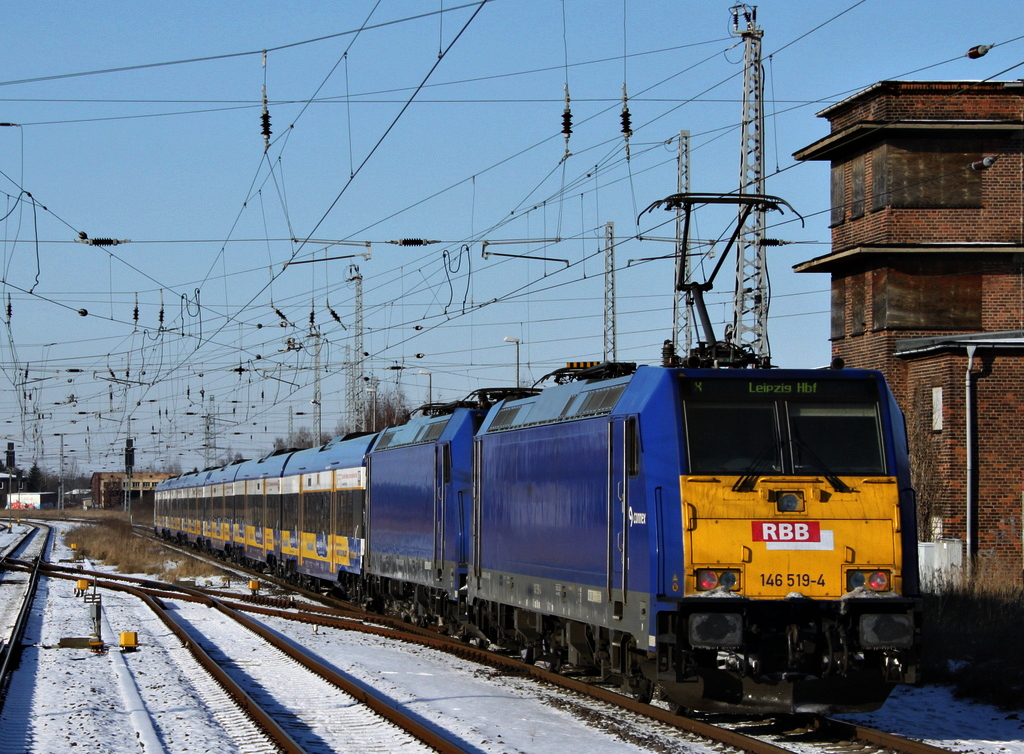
x: 112, y: 541
x: 971, y: 638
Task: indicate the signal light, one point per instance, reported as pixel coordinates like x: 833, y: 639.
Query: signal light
x: 708, y: 579
x: 875, y: 581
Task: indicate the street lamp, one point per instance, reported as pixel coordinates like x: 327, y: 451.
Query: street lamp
x: 509, y: 339
x: 60, y: 488
x: 430, y: 376
x: 373, y: 407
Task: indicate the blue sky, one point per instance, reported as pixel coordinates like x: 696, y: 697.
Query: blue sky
x: 377, y: 136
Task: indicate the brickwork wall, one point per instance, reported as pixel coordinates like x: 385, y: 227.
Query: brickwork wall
x: 928, y: 100
x: 939, y: 456
x: 997, y: 221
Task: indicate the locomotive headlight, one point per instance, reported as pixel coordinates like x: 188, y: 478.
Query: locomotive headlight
x: 887, y: 630
x: 708, y: 579
x: 876, y: 581
x: 714, y: 630
x: 788, y: 502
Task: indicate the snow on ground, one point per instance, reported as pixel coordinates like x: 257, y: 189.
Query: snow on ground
x: 69, y: 700
x: 933, y: 715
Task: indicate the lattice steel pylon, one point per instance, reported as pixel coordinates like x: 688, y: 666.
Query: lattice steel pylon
x: 609, y: 292
x: 682, y: 316
x: 355, y: 397
x: 750, y: 304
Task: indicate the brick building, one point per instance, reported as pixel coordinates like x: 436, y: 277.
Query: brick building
x: 108, y: 487
x: 926, y: 267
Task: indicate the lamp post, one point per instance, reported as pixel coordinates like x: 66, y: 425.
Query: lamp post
x: 373, y: 407
x: 60, y: 487
x: 430, y: 376
x: 509, y: 339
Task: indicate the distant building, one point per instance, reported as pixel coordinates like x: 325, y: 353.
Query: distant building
x: 108, y: 490
x: 31, y: 500
x: 926, y: 266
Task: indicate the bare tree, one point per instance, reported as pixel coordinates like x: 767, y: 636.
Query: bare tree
x: 925, y: 465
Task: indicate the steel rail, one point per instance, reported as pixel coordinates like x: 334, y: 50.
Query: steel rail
x: 352, y: 618
x: 441, y: 642
x: 422, y: 730
x: 12, y: 650
x: 890, y: 741
x: 248, y: 705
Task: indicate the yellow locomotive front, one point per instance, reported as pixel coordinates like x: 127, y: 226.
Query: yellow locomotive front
x: 793, y: 496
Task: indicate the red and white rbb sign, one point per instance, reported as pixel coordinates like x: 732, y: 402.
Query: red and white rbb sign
x: 786, y: 531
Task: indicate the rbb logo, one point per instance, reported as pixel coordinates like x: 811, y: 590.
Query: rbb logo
x: 786, y: 531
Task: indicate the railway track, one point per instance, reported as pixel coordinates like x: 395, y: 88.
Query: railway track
x: 319, y: 710
x: 764, y: 738
x: 30, y: 543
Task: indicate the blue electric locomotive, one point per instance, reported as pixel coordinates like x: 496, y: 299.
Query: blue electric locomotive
x: 742, y: 540
x: 735, y: 540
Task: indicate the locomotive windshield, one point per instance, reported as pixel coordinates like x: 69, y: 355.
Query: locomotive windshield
x: 763, y: 437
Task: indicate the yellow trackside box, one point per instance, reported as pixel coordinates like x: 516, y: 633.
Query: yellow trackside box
x: 129, y: 641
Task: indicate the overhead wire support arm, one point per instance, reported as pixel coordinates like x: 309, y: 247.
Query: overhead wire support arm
x: 487, y: 254
x: 366, y: 255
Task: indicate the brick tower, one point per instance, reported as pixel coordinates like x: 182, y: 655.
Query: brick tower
x: 926, y: 265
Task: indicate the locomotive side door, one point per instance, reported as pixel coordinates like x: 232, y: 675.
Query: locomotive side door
x: 618, y: 505
x: 623, y: 465
x: 442, y: 479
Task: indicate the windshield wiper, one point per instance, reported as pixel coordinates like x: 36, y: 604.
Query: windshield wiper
x: 837, y: 484
x: 749, y: 479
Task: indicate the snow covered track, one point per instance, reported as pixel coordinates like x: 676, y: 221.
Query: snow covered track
x: 302, y: 704
x: 30, y: 542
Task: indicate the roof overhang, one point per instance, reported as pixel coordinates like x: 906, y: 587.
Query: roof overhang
x: 1012, y: 340
x: 859, y: 135
x: 837, y: 259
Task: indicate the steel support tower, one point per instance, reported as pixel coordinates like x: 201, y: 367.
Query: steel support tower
x: 609, y: 292
x: 355, y: 397
x: 682, y: 316
x: 750, y: 304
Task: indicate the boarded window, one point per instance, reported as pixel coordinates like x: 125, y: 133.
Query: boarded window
x: 838, y: 195
x: 925, y: 174
x: 927, y: 294
x: 857, y: 188
x: 838, y: 309
x: 858, y: 314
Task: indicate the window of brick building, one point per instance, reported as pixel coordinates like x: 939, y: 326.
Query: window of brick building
x: 924, y: 173
x: 857, y: 187
x: 838, y: 195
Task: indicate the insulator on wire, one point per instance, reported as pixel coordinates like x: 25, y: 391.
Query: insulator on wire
x: 627, y: 127
x: 265, y: 121
x: 566, y: 122
x: 413, y: 242
x: 978, y: 51
x: 135, y: 311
